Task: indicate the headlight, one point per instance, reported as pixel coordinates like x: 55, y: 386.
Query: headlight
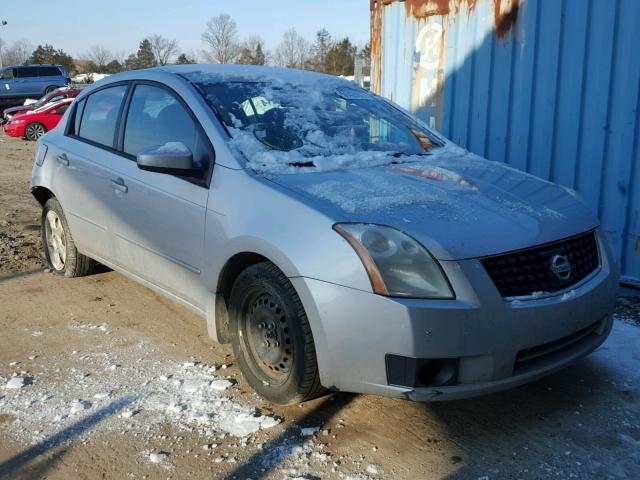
x: 397, y: 265
x: 17, y: 122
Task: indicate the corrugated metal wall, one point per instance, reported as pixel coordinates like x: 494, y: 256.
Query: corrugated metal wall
x: 548, y: 86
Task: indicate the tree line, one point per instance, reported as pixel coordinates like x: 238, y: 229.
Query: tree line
x: 222, y: 45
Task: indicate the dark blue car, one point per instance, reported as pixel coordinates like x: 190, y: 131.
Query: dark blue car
x: 31, y: 81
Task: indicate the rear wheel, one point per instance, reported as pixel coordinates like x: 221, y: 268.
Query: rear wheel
x: 34, y: 131
x: 50, y: 89
x: 59, y: 249
x: 271, y: 336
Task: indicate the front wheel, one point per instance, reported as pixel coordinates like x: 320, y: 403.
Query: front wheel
x: 34, y: 131
x: 59, y: 248
x: 271, y: 336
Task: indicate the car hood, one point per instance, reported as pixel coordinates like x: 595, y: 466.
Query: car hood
x: 21, y: 108
x: 455, y: 203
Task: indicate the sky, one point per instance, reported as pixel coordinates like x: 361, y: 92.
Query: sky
x: 119, y: 25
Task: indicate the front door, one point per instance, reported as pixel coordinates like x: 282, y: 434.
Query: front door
x: 160, y: 218
x: 7, y: 84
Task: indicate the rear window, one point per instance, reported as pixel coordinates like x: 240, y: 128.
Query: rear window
x: 100, y: 115
x: 49, y: 72
x: 26, y: 72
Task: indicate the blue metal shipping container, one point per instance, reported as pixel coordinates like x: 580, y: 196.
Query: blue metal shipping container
x: 548, y: 86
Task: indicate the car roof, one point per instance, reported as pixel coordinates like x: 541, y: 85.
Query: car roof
x: 225, y: 73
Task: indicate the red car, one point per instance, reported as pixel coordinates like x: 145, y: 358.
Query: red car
x: 34, y: 124
x: 51, y: 97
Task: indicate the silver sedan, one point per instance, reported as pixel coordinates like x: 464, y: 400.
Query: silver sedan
x: 333, y: 239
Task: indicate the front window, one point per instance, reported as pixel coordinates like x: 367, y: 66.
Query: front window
x: 323, y: 125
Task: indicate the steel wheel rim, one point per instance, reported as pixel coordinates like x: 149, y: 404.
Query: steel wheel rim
x: 268, y: 337
x: 35, y: 131
x: 56, y: 240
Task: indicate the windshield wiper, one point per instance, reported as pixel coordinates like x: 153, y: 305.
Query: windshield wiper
x: 302, y: 164
x: 406, y: 154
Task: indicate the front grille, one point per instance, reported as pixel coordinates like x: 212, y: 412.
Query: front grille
x: 527, y: 271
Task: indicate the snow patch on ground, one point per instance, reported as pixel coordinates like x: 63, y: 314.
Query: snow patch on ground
x: 137, y: 396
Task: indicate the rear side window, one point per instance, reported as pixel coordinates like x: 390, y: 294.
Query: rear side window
x: 49, y: 72
x: 26, y: 72
x: 100, y: 115
x: 9, y: 73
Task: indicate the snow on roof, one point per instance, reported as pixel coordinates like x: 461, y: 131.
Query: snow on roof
x: 249, y: 73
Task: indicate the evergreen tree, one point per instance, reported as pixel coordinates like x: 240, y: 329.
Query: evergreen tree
x: 340, y: 58
x: 246, y: 57
x: 259, y: 56
x: 183, y: 59
x: 48, y: 54
x: 145, y: 57
x: 113, y: 67
x: 130, y: 63
x: 320, y: 49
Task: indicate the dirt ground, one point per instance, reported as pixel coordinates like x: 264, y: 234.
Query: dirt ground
x: 114, y: 381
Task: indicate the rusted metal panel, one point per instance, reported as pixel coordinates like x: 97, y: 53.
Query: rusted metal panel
x: 550, y: 87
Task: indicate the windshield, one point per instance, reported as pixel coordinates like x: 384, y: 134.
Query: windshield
x: 323, y: 125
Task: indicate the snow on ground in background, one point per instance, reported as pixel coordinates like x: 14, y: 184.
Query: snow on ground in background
x: 139, y: 394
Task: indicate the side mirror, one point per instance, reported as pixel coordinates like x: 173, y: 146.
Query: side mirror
x: 172, y: 157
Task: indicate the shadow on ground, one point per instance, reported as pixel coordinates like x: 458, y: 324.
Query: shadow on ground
x: 35, y: 461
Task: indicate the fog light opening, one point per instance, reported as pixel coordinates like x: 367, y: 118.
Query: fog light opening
x: 438, y: 372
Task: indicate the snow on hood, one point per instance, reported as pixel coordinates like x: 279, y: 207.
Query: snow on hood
x: 456, y: 203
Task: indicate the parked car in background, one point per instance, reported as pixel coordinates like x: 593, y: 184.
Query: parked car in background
x: 332, y: 238
x: 51, y: 97
x: 24, y: 81
x: 35, y: 123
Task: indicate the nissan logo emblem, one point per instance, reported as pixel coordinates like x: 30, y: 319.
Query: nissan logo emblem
x: 561, y: 267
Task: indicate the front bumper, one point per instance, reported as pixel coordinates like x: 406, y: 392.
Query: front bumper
x: 355, y: 331
x: 14, y: 130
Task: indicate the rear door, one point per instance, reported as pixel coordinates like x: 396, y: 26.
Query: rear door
x: 50, y: 77
x: 160, y: 218
x: 82, y: 179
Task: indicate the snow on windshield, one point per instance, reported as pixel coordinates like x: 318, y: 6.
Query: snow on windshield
x: 322, y: 124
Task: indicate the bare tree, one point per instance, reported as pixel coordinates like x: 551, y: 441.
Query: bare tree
x: 120, y: 56
x: 100, y: 56
x: 18, y: 53
x: 221, y: 36
x: 293, y: 50
x: 164, y: 49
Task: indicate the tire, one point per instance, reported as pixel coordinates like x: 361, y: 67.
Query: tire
x: 34, y: 131
x: 271, y: 336
x: 59, y: 249
x: 50, y: 89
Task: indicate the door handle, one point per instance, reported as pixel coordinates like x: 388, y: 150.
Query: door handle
x: 63, y: 160
x: 118, y: 184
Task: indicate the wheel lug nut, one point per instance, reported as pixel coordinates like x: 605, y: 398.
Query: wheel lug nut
x: 276, y: 343
x: 266, y: 344
x: 261, y: 325
x: 272, y: 326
